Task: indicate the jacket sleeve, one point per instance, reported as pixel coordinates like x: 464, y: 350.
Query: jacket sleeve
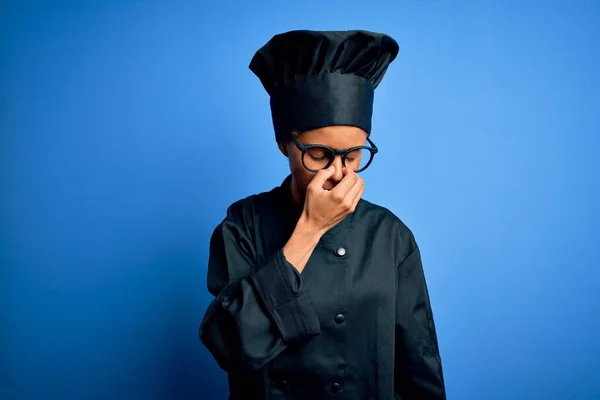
x: 418, y: 369
x: 258, y: 308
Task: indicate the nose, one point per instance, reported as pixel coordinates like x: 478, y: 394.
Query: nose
x: 338, y: 174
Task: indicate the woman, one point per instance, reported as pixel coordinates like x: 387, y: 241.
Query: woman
x: 319, y: 293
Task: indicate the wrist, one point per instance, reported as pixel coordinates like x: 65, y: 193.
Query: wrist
x: 308, y: 230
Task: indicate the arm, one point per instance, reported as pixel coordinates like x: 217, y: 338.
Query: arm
x: 258, y: 309
x: 418, y: 368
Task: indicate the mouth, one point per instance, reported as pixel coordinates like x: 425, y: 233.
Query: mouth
x: 329, y: 185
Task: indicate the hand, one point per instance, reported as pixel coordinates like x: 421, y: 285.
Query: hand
x: 323, y: 209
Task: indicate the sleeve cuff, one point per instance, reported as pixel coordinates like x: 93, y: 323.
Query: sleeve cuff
x: 287, y: 301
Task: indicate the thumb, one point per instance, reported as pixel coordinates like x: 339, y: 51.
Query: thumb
x: 321, y: 177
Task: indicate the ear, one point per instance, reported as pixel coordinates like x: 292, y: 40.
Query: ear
x: 283, y: 148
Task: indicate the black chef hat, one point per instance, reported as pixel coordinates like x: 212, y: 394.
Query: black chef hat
x: 322, y: 78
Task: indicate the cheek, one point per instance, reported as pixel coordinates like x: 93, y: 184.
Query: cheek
x: 301, y: 175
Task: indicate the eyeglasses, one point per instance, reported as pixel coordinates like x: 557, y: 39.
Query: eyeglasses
x: 316, y: 156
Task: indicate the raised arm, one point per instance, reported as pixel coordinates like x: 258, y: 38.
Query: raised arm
x: 259, y: 308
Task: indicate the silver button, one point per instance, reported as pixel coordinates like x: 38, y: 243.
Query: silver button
x: 282, y: 384
x: 341, y: 252
x: 336, y: 387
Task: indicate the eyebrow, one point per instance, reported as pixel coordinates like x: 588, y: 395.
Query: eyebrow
x: 331, y: 147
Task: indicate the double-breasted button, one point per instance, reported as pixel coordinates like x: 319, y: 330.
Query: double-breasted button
x: 341, y: 252
x: 336, y: 387
x: 282, y: 384
x: 339, y: 318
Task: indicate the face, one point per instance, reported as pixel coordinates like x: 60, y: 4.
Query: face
x: 336, y: 137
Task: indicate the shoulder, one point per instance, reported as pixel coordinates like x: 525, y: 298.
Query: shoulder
x: 245, y: 209
x: 385, y: 224
x: 238, y: 224
x: 381, y: 217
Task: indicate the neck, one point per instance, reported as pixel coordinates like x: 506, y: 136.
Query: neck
x: 297, y: 194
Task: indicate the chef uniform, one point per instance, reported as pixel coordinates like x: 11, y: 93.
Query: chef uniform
x: 357, y: 322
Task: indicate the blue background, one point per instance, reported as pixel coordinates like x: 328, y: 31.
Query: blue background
x: 128, y: 127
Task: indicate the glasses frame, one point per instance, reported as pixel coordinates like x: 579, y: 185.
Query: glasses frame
x: 334, y: 153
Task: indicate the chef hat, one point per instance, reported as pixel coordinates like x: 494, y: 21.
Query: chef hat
x: 322, y: 78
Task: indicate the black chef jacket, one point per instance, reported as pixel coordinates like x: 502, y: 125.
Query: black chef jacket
x: 355, y: 324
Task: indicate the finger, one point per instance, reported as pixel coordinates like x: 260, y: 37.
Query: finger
x: 345, y: 185
x: 358, y: 197
x: 348, y: 171
x: 355, y: 191
x: 357, y: 200
x: 321, y: 177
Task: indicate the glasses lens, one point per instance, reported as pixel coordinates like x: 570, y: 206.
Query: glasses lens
x: 317, y: 158
x: 358, y: 159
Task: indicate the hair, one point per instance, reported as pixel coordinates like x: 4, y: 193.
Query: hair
x: 293, y: 134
